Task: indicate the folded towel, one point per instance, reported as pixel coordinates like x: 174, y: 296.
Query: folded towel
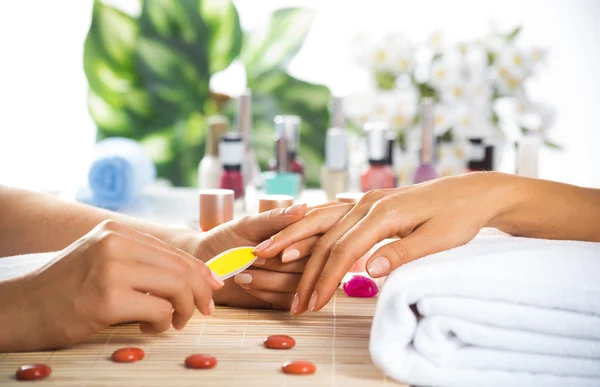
x: 119, y: 172
x: 499, y: 311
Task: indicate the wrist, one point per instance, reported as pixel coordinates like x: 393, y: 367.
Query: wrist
x: 20, y: 325
x: 507, y: 195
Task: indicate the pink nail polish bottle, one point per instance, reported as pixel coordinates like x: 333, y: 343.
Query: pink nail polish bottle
x: 378, y: 175
x: 426, y: 169
x: 231, y: 154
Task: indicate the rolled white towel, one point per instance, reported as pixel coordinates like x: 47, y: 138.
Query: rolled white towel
x: 499, y: 311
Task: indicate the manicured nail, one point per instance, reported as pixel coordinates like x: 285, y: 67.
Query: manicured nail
x: 262, y: 246
x: 260, y: 262
x: 294, y: 209
x: 312, y: 302
x: 290, y: 255
x: 217, y: 278
x: 243, y: 279
x: 378, y: 267
x: 211, y: 307
x: 294, y: 307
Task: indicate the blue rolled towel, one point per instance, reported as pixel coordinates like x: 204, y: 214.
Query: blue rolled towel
x: 118, y: 174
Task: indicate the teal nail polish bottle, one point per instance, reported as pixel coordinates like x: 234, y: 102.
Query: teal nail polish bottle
x: 282, y: 182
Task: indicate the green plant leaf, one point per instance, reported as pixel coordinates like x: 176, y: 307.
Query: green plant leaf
x: 513, y: 34
x: 276, y: 44
x: 118, y: 33
x: 553, y: 145
x: 224, y: 32
x: 109, y: 120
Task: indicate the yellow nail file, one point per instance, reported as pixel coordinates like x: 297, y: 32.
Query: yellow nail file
x: 230, y: 262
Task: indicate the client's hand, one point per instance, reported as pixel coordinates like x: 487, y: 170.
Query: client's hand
x: 428, y: 218
x: 113, y: 274
x: 269, y: 284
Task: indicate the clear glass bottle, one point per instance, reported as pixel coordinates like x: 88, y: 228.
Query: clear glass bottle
x: 426, y: 169
x: 378, y: 175
x: 250, y: 168
x: 209, y: 169
x: 334, y: 173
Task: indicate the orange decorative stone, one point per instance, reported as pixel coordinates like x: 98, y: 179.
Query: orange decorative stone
x: 33, y: 372
x: 298, y: 367
x: 199, y: 361
x: 127, y: 355
x: 280, y: 342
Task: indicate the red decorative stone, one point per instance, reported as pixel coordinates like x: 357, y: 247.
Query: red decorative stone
x: 127, y: 355
x: 360, y: 286
x: 280, y: 342
x: 298, y: 367
x: 199, y: 361
x: 33, y: 372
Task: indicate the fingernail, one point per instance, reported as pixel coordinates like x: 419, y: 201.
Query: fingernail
x: 262, y: 246
x: 312, y: 302
x: 290, y: 255
x: 217, y: 278
x: 211, y: 307
x: 294, y: 209
x: 260, y: 262
x: 243, y: 279
x: 294, y: 307
x: 378, y: 267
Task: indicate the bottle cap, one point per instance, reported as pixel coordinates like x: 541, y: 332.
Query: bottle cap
x: 377, y: 143
x: 216, y: 207
x: 391, y: 141
x: 349, y: 197
x: 244, y: 117
x: 337, y: 112
x: 428, y: 140
x: 281, y: 154
x: 231, y: 150
x: 289, y: 127
x: 336, y: 149
x: 270, y: 202
x: 217, y: 127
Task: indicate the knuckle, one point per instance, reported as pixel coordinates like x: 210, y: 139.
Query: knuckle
x: 400, y: 253
x: 109, y: 302
x: 370, y: 197
x: 109, y: 243
x: 340, y: 248
x: 108, y: 225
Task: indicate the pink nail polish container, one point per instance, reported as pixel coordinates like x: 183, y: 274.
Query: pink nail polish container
x: 379, y: 175
x: 349, y: 197
x: 216, y: 207
x: 270, y: 202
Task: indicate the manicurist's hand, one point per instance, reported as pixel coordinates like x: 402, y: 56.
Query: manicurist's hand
x: 428, y: 218
x: 111, y: 275
x: 268, y: 284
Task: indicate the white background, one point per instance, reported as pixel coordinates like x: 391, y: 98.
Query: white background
x: 46, y: 135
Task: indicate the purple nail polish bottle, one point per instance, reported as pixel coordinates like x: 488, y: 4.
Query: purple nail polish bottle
x: 426, y: 169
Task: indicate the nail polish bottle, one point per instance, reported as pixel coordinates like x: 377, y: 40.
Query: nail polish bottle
x: 250, y: 167
x: 231, y: 154
x: 528, y: 150
x: 282, y: 181
x: 391, y: 139
x: 334, y: 174
x: 288, y: 127
x: 426, y: 169
x: 378, y: 175
x: 216, y: 207
x: 210, y: 170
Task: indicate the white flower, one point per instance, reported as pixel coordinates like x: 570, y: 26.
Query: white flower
x: 507, y: 79
x: 453, y: 158
x: 475, y: 62
x: 516, y: 60
x: 393, y: 54
x: 472, y: 121
x: 454, y: 91
x: 359, y: 106
x: 404, y: 108
x: 479, y: 93
x: 436, y: 41
x: 445, y: 71
x: 534, y: 116
x: 383, y: 107
x: 443, y: 118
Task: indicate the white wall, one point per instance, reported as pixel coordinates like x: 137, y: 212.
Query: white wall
x: 46, y: 134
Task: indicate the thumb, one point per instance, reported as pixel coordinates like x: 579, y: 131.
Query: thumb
x: 265, y: 225
x: 424, y: 241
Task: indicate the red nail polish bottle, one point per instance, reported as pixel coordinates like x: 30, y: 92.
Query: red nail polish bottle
x: 379, y: 175
x: 231, y: 154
